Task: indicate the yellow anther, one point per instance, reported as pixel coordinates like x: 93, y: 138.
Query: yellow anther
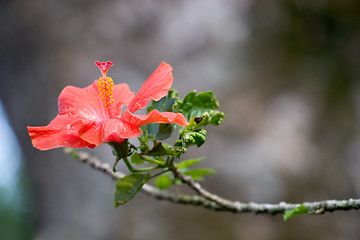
x: 106, y: 88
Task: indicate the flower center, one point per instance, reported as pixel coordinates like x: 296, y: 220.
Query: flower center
x: 105, y: 85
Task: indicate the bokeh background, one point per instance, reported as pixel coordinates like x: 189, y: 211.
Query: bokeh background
x: 286, y: 73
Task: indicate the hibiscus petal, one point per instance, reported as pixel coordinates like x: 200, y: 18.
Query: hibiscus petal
x: 154, y: 116
x: 111, y: 130
x: 115, y: 130
x: 154, y: 88
x: 62, y: 131
x: 92, y: 133
x: 83, y: 102
x: 122, y: 96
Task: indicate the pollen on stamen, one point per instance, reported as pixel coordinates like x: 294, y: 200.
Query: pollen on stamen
x: 105, y: 88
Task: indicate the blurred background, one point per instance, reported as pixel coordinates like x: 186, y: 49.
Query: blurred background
x: 286, y: 73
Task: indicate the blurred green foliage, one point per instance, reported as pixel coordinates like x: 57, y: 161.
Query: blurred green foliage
x: 15, y: 212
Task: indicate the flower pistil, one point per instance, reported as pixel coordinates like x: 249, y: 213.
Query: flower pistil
x: 105, y: 84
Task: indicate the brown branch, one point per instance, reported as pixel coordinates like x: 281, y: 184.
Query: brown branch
x: 211, y: 201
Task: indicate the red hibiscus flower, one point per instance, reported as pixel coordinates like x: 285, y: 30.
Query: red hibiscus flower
x: 91, y: 116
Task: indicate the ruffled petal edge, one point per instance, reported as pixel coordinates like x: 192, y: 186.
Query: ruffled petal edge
x: 154, y: 117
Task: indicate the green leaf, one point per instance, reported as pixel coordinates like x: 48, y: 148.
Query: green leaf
x: 196, y: 137
x: 165, y: 130
x: 127, y: 187
x: 157, y: 150
x: 151, y: 129
x: 297, y: 211
x: 189, y: 162
x: 216, y: 117
x: 166, y: 103
x: 161, y: 131
x: 197, y: 174
x: 196, y: 105
x: 199, y: 110
x: 135, y: 158
x: 163, y: 182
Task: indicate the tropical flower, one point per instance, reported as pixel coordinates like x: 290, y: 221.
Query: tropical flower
x: 92, y: 115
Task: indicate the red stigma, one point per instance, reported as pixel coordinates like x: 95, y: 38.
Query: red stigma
x: 104, y: 66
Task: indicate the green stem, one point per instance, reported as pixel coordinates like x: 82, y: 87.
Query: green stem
x: 128, y: 165
x: 158, y: 174
x: 151, y: 160
x: 132, y: 169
